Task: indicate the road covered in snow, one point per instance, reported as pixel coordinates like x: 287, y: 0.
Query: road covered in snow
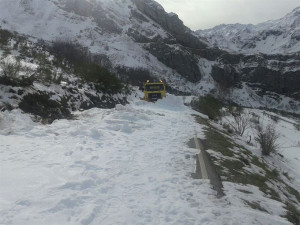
x: 128, y: 165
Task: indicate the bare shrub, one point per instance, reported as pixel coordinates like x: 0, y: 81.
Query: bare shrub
x: 242, y: 123
x: 79, y: 60
x: 10, y: 69
x: 70, y: 51
x: 135, y: 76
x: 267, y: 137
x: 11, y: 74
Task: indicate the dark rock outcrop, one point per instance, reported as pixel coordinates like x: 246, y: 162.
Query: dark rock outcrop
x: 170, y: 22
x: 268, y: 73
x: 183, y: 62
x: 275, y: 81
x: 227, y: 76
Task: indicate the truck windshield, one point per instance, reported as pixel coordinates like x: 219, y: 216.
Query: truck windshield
x: 154, y: 87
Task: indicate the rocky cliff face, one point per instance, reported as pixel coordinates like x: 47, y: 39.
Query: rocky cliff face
x: 171, y: 23
x: 265, y: 56
x: 268, y: 73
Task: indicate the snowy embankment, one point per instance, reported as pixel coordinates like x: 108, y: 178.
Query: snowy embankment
x: 288, y: 142
x: 128, y: 165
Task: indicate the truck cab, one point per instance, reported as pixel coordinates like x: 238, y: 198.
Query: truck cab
x: 154, y: 91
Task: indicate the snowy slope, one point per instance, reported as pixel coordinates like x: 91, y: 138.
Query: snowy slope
x: 128, y: 165
x: 288, y: 130
x: 130, y: 37
x: 49, y: 20
x: 280, y: 36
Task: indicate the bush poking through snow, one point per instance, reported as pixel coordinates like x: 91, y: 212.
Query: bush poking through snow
x: 241, y: 123
x: 267, y: 137
x: 101, y: 77
x: 5, y: 36
x: 10, y: 69
x: 135, y: 76
x: 293, y: 214
x: 78, y: 60
x: 10, y: 74
x: 209, y: 106
x: 41, y: 104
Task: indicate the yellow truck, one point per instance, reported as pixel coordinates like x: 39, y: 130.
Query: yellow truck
x: 154, y: 91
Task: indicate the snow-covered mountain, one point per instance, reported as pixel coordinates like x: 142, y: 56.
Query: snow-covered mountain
x: 137, y: 38
x: 121, y: 30
x: 280, y: 36
x: 128, y: 161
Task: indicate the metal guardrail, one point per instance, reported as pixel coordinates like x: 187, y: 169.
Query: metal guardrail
x: 207, y: 169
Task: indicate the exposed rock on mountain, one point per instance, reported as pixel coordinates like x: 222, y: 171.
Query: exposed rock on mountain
x: 280, y: 36
x: 225, y: 76
x: 180, y: 60
x: 137, y: 39
x: 170, y: 22
x: 273, y: 73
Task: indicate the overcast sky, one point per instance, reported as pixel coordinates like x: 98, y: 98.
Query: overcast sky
x: 203, y: 14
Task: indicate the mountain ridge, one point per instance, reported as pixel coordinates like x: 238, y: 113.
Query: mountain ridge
x: 281, y: 36
x: 139, y: 37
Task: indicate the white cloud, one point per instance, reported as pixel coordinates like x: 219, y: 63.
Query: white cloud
x: 202, y: 14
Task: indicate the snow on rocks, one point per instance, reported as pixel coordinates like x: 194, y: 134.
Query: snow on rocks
x: 271, y: 37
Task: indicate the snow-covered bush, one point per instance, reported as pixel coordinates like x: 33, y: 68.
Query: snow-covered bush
x: 41, y: 104
x: 76, y: 59
x: 267, y: 137
x: 68, y: 53
x: 10, y: 69
x: 10, y: 74
x: 135, y: 76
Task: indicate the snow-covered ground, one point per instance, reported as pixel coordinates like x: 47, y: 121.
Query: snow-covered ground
x: 128, y: 165
x: 288, y: 142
